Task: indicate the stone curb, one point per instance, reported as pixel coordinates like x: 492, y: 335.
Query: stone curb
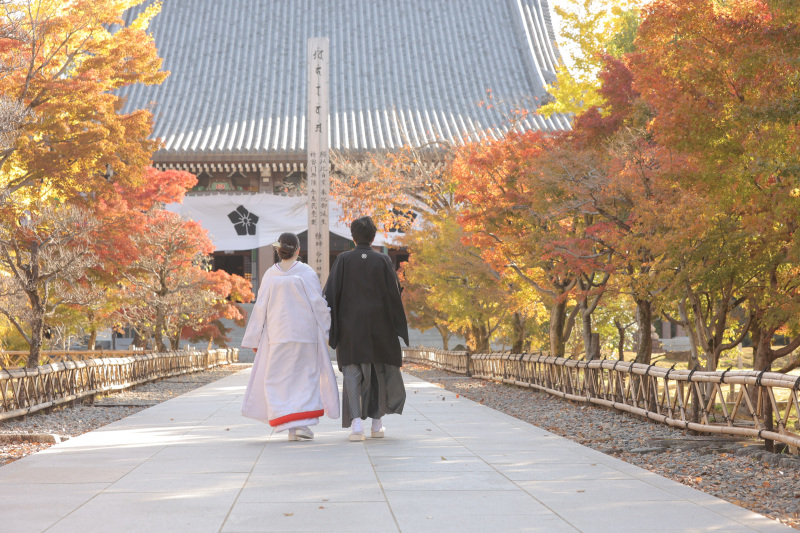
x: 45, y: 438
x: 758, y: 453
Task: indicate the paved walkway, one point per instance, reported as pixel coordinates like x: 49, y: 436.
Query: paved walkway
x: 193, y: 464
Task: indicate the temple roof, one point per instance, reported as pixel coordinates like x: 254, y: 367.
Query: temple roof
x: 237, y: 87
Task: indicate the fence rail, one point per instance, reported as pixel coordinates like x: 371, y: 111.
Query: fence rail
x: 457, y: 362
x: 27, y: 390
x: 762, y: 405
x: 19, y: 358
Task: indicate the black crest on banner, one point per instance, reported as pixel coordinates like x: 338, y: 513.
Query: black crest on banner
x: 244, y: 222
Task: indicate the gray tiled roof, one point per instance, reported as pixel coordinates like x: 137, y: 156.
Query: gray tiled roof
x: 237, y: 86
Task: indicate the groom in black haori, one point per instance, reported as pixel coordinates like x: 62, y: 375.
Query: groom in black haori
x: 367, y: 317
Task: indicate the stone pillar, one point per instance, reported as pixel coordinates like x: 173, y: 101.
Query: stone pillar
x: 266, y: 259
x: 318, y: 164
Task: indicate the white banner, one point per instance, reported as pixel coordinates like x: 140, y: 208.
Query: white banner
x: 248, y: 221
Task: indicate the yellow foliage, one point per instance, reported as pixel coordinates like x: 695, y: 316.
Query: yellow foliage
x: 64, y: 64
x: 587, y: 30
x: 142, y: 22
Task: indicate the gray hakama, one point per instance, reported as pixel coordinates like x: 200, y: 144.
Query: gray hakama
x: 371, y: 391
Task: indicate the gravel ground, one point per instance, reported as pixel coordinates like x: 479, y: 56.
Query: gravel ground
x: 736, y: 470
x: 20, y: 437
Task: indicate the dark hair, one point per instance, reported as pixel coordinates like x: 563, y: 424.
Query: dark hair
x: 287, y: 245
x: 363, y: 230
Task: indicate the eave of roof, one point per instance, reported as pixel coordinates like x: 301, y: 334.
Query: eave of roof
x: 400, y: 69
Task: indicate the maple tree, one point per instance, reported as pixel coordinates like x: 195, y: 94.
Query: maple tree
x: 713, y: 275
x: 198, y: 314
x: 457, y: 283
x: 62, y: 133
x: 722, y: 82
x: 168, y: 291
x: 170, y: 252
x: 120, y: 216
x: 43, y: 254
x: 393, y: 185
x: 421, y: 314
x: 524, y: 221
x: 64, y: 62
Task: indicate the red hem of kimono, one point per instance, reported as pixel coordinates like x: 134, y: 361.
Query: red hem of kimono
x: 296, y: 416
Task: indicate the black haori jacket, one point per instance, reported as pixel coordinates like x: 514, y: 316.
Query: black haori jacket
x: 367, y: 313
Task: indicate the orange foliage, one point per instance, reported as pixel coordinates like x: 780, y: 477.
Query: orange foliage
x: 65, y: 63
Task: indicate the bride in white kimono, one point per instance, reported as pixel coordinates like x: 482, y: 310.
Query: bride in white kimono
x: 292, y: 382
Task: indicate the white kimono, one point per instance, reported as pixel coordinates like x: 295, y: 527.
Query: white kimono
x: 292, y: 382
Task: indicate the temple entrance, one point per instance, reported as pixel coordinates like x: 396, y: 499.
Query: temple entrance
x: 238, y: 262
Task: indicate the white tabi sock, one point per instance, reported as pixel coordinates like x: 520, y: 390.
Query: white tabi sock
x: 376, y: 424
x: 357, y: 427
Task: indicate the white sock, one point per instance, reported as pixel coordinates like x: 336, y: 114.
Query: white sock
x: 376, y: 424
x: 357, y: 427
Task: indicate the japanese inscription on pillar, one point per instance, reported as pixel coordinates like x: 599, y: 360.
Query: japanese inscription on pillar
x: 318, y: 167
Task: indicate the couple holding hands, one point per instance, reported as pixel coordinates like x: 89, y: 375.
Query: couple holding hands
x: 359, y: 313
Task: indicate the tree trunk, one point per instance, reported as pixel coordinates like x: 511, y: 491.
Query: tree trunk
x: 37, y: 334
x: 694, y: 358
x: 518, y: 326
x: 92, y: 330
x: 762, y: 350
x: 158, y: 336
x: 479, y: 339
x: 762, y: 360
x: 138, y: 340
x: 92, y: 339
x: 482, y: 339
x: 558, y: 316
x: 621, y: 343
x: 445, y: 336
x: 644, y: 320
x: 586, y: 330
x: 591, y: 340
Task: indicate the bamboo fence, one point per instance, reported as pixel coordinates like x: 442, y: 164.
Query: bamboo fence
x: 761, y: 405
x: 19, y: 358
x: 27, y: 390
x: 457, y: 362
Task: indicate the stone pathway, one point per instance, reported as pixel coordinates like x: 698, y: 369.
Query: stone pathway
x: 736, y: 470
x: 23, y: 436
x: 448, y: 464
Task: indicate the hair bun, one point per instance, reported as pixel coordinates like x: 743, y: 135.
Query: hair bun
x: 286, y: 245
